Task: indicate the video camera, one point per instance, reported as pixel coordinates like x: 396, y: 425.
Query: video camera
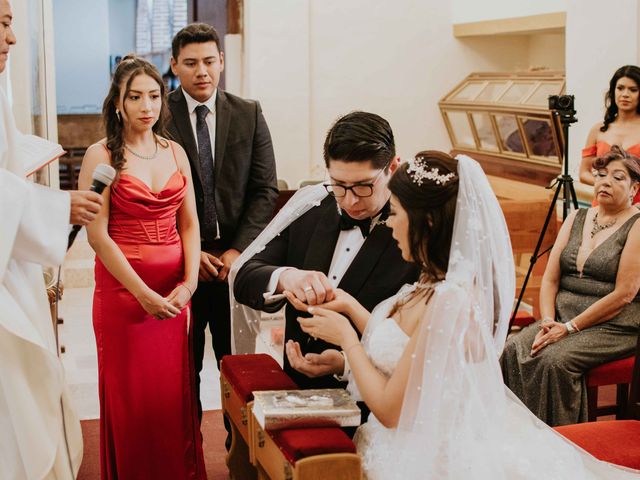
x: 565, y: 106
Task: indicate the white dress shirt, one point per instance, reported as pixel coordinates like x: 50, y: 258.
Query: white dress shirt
x: 347, y: 247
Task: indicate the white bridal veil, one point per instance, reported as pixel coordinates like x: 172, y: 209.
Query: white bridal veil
x: 245, y: 321
x: 458, y: 420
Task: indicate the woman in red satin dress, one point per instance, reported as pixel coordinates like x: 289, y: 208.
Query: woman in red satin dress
x: 147, y: 245
x: 621, y: 125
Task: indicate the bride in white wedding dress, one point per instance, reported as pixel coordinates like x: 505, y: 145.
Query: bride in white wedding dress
x: 427, y: 366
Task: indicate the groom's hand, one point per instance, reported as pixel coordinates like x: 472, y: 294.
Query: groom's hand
x: 329, y: 362
x: 312, y: 288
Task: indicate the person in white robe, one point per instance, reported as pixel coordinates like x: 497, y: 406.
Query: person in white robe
x: 40, y: 435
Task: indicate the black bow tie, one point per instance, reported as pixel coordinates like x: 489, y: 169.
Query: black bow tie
x: 347, y: 223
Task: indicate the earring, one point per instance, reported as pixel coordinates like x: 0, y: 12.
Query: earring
x: 118, y: 114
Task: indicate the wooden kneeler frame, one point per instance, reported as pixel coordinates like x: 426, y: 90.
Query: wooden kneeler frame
x: 271, y: 463
x: 240, y: 468
x: 252, y: 372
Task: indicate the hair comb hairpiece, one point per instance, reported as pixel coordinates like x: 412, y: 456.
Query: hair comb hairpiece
x: 418, y: 170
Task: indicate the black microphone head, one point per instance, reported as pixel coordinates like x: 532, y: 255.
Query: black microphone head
x: 104, y: 174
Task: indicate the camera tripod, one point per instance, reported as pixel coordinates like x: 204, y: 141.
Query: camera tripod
x: 562, y: 120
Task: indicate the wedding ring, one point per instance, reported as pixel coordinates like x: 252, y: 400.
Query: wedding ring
x: 308, y: 288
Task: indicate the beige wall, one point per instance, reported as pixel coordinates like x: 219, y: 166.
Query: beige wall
x: 600, y: 39
x: 464, y: 11
x: 310, y: 62
x: 547, y: 50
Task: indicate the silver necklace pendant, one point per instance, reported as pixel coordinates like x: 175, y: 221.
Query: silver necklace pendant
x: 143, y: 157
x: 597, y: 228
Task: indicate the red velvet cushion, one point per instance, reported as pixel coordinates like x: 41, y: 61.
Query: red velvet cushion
x: 305, y: 442
x: 615, y: 441
x: 523, y: 319
x: 612, y: 373
x: 256, y: 372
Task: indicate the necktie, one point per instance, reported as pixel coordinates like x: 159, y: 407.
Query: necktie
x: 209, y: 220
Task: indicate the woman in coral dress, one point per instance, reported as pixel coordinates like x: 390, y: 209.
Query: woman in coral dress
x: 621, y: 125
x: 147, y: 253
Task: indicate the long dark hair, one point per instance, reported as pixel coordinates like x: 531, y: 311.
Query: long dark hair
x: 129, y: 67
x: 629, y: 71
x: 430, y: 207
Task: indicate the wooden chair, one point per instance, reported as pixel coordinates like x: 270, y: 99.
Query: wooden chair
x: 615, y: 441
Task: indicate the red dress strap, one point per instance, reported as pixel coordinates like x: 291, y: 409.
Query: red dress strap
x: 590, y: 151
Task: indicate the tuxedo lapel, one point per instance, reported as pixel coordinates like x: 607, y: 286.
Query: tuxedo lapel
x: 223, y: 117
x: 367, y: 258
x: 182, y: 123
x: 323, y: 240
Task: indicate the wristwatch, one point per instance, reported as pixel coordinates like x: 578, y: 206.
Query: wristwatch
x: 570, y: 327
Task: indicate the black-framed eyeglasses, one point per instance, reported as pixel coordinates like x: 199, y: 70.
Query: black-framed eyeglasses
x: 361, y: 190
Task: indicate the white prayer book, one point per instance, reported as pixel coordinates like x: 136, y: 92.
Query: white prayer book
x: 278, y: 409
x: 37, y: 152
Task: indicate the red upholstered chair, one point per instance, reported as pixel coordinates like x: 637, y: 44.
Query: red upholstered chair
x: 523, y: 319
x: 240, y: 376
x: 615, y: 441
x: 617, y: 373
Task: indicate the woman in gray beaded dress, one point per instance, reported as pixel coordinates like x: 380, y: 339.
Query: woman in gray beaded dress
x: 589, y: 299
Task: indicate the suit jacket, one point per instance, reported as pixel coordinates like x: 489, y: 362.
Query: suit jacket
x: 376, y: 273
x: 244, y: 164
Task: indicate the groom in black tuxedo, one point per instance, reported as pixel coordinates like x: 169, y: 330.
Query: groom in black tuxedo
x: 342, y: 243
x: 234, y: 175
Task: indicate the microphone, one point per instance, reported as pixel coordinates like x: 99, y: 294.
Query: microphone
x: 102, y: 176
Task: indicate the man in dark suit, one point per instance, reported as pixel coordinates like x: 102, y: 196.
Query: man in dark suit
x: 229, y: 148
x: 342, y: 243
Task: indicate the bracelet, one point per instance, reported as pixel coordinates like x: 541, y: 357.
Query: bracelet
x: 574, y: 325
x: 345, y: 371
x: 547, y: 319
x: 188, y: 289
x: 349, y: 348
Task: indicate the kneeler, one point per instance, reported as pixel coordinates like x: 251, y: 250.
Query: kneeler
x: 303, y: 454
x: 314, y: 453
x: 240, y: 376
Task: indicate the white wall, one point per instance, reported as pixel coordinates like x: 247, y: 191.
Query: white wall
x: 309, y: 62
x: 122, y: 25
x: 277, y: 72
x: 600, y: 39
x: 82, y: 53
x: 465, y: 11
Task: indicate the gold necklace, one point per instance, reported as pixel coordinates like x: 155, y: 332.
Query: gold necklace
x: 597, y: 228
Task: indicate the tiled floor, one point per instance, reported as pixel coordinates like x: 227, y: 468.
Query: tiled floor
x: 76, y: 335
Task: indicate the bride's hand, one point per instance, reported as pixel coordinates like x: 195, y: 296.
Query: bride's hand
x: 342, y: 302
x: 330, y: 326
x: 157, y: 306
